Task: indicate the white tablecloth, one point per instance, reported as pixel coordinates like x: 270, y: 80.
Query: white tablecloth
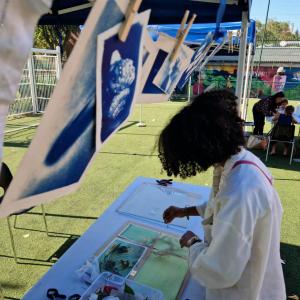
x: 62, y: 275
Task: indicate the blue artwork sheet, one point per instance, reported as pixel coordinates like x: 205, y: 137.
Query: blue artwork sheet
x: 157, y: 60
x: 118, y: 76
x: 196, y: 59
x: 170, y: 72
x: 65, y: 143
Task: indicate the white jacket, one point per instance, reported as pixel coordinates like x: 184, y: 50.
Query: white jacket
x: 240, y: 259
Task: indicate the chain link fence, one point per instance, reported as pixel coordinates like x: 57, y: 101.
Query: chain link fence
x: 40, y: 75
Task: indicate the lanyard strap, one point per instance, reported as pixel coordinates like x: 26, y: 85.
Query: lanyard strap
x: 248, y: 162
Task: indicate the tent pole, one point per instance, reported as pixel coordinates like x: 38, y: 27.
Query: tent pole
x: 250, y: 47
x: 141, y: 123
x: 249, y: 86
x: 242, y: 58
x: 189, y: 89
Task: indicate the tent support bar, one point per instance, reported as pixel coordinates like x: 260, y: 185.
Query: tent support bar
x: 74, y: 8
x: 241, y: 61
x: 247, y: 75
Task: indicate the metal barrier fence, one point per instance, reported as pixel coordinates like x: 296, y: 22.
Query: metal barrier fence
x: 39, y: 78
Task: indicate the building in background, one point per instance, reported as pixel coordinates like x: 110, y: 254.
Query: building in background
x: 279, y: 70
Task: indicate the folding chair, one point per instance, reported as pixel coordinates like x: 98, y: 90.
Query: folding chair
x: 5, y: 180
x: 283, y: 134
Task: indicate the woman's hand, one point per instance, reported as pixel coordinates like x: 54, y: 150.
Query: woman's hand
x: 188, y: 239
x: 173, y: 212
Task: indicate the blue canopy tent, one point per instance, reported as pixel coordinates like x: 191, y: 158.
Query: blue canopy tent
x: 198, y: 32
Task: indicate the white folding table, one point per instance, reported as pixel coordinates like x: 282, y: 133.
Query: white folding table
x: 62, y: 275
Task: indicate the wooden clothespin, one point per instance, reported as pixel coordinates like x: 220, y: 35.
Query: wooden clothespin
x: 183, y: 21
x: 132, y: 9
x: 181, y: 34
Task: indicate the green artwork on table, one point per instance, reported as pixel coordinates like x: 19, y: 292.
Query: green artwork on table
x: 169, y: 245
x: 165, y: 273
x: 120, y: 257
x: 140, y: 235
x: 166, y: 256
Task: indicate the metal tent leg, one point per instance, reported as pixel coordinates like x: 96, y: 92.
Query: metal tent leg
x: 292, y: 152
x: 44, y: 217
x: 268, y: 149
x: 12, y: 240
x: 15, y: 221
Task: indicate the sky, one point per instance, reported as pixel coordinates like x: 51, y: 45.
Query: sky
x: 281, y: 10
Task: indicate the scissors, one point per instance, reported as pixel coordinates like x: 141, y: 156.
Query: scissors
x: 164, y: 182
x: 54, y: 294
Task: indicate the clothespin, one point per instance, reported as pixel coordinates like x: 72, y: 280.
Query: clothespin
x: 164, y: 182
x: 183, y: 21
x: 181, y: 34
x: 132, y: 9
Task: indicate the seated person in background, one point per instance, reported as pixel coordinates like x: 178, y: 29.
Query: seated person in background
x: 284, y: 119
x: 284, y: 104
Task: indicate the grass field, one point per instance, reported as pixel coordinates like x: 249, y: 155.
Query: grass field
x: 130, y: 153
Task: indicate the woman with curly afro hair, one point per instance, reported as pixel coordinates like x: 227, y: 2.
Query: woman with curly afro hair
x: 239, y: 257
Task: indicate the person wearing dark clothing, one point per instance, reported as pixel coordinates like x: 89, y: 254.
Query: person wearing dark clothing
x: 265, y: 107
x: 284, y: 119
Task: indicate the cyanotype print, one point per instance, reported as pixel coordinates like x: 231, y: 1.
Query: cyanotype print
x: 118, y: 76
x: 157, y: 64
x: 196, y: 59
x: 65, y: 142
x: 171, y: 72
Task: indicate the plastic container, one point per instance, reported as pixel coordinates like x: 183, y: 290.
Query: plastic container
x: 109, y: 279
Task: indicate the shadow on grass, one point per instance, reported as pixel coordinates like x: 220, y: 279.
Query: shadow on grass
x: 53, y: 257
x: 277, y: 161
x: 53, y: 233
x: 125, y: 153
x: 145, y: 134
x: 179, y: 99
x: 131, y: 123
x: 10, y: 285
x: 30, y: 261
x: 62, y: 215
x: 291, y: 269
x: 63, y: 248
x: 21, y: 144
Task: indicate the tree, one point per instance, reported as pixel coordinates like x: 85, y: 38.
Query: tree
x: 49, y: 36
x: 276, y: 31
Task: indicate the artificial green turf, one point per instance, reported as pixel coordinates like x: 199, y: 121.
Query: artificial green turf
x: 128, y: 154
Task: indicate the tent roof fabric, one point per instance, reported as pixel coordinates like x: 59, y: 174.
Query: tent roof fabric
x: 163, y: 11
x: 198, y: 32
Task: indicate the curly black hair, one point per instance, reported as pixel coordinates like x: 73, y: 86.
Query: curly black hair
x: 205, y: 132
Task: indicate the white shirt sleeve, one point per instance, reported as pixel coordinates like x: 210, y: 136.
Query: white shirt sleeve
x: 201, y: 209
x: 221, y: 264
